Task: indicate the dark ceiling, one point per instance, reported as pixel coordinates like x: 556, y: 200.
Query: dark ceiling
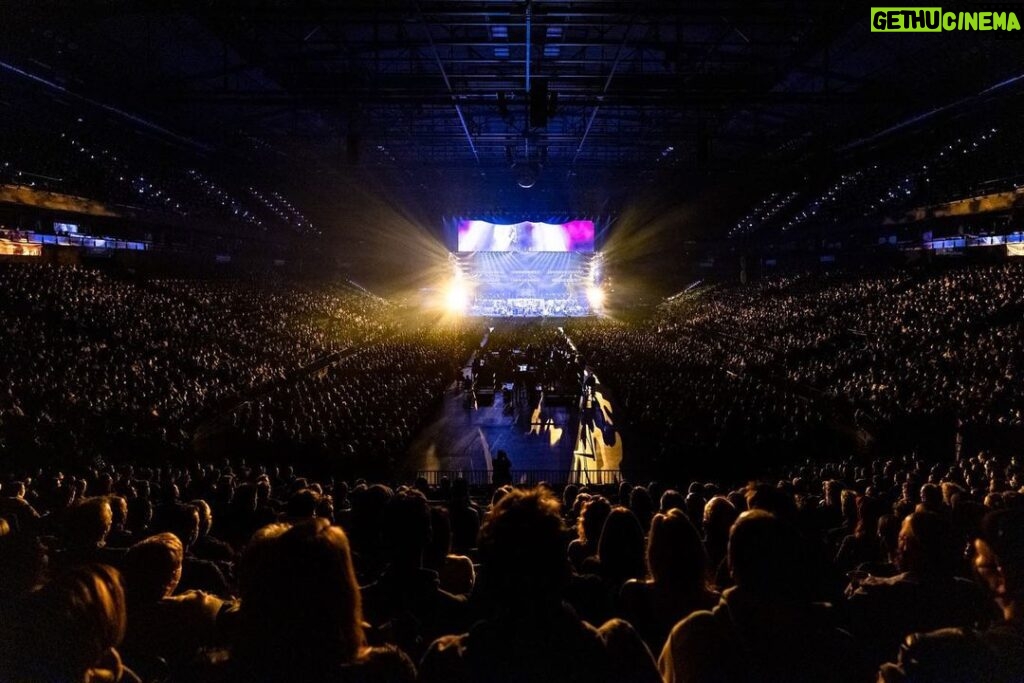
x: 429, y: 99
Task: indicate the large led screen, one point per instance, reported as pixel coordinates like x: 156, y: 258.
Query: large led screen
x: 526, y: 236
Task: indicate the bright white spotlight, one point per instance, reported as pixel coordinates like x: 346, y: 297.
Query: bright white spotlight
x: 595, y: 296
x: 457, y: 297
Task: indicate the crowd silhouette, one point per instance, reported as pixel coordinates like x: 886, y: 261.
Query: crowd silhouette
x: 129, y: 554
x: 905, y: 569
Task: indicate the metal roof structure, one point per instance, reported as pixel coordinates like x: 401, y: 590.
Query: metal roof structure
x: 449, y: 99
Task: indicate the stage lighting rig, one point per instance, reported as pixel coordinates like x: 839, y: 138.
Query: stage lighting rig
x: 527, y: 173
x: 459, y: 290
x: 457, y: 297
x: 595, y: 297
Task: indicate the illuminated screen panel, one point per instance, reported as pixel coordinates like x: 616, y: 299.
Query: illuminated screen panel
x: 526, y: 236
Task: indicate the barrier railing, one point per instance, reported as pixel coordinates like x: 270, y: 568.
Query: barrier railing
x: 524, y: 477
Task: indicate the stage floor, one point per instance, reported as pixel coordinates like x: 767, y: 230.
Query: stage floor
x: 466, y: 435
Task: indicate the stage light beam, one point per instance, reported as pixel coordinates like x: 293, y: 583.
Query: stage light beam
x: 457, y: 296
x: 595, y: 296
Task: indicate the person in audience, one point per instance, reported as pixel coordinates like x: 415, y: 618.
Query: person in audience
x: 86, y: 526
x: 530, y: 634
x: 678, y: 583
x: 862, y: 547
x: 927, y: 594
x: 465, y: 517
x: 763, y: 629
x: 588, y: 530
x: 455, y: 572
x: 207, y: 546
x: 72, y: 629
x: 719, y: 516
x: 302, y: 506
x: 620, y: 551
x: 406, y: 603
x: 300, y: 614
x: 196, y: 574
x: 502, y: 469
x: 119, y: 536
x: 162, y: 625
x: 15, y: 509
x: 964, y: 655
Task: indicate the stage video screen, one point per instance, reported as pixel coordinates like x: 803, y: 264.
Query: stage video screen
x: 526, y: 236
x: 528, y: 284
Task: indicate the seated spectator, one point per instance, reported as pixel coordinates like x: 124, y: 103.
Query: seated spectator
x: 531, y: 635
x: 925, y: 595
x: 196, y: 573
x: 302, y: 506
x: 996, y: 654
x: 119, y: 536
x: 862, y: 547
x: 207, y: 546
x: 464, y: 516
x: 642, y: 505
x: 763, y: 629
x: 86, y: 526
x: 18, y: 512
x: 406, y: 602
x: 140, y: 516
x: 678, y: 583
x: 588, y: 530
x: 719, y: 516
x: 162, y: 625
x: 620, y: 552
x: 456, y: 572
x: 300, y: 614
x: 672, y: 499
x: 501, y: 469
x: 22, y: 565
x: 72, y: 630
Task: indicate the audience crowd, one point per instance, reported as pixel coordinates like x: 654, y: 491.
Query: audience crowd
x: 897, y: 570
x: 128, y: 555
x: 98, y: 365
x: 783, y: 362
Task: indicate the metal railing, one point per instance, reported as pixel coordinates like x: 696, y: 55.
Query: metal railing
x: 524, y: 477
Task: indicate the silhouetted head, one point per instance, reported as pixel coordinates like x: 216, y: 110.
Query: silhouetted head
x: 89, y: 522
x: 719, y: 516
x: 672, y: 499
x: 76, y: 622
x: 300, y: 604
x: 621, y: 548
x: 999, y: 555
x: 926, y: 545
x: 675, y: 554
x: 592, y: 517
x: 764, y: 555
x: 302, y: 504
x: 183, y: 522
x: 407, y: 526
x: 205, y: 513
x: 522, y: 549
x: 152, y: 567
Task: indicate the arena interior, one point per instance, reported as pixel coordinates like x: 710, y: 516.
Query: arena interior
x: 590, y: 341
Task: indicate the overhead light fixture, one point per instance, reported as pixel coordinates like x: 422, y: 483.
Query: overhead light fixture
x: 527, y: 174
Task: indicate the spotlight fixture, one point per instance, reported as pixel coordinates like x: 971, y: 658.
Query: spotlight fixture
x: 527, y: 174
x: 595, y: 297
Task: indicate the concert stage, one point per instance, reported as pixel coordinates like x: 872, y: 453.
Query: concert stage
x: 526, y: 269
x: 528, y: 284
x: 555, y: 437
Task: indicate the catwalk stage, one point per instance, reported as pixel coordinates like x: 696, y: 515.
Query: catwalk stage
x: 575, y: 440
